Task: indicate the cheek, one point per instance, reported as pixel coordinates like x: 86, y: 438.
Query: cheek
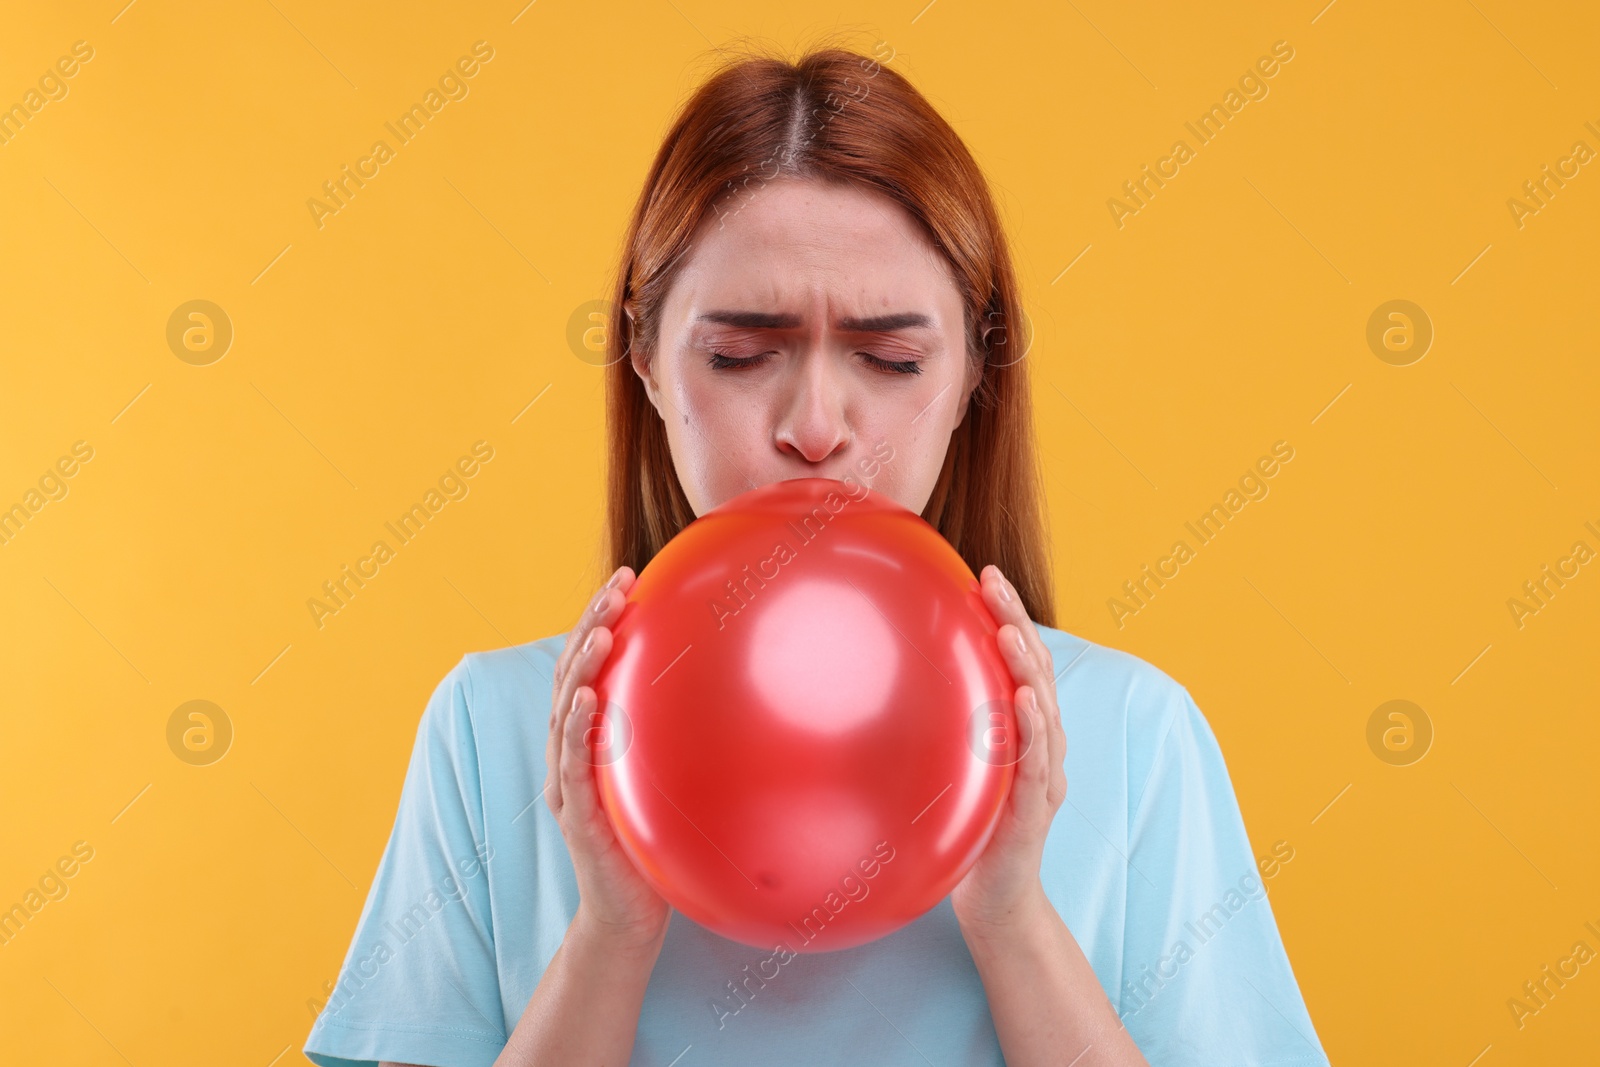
x: 932, y: 413
x: 712, y: 422
x: 712, y: 435
x: 915, y: 434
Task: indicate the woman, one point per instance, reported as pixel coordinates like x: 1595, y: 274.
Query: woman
x: 814, y: 274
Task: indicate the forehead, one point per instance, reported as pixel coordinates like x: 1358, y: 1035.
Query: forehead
x: 789, y: 244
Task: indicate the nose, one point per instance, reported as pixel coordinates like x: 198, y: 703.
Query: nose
x: 813, y: 424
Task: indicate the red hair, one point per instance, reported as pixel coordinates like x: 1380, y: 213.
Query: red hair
x: 832, y: 115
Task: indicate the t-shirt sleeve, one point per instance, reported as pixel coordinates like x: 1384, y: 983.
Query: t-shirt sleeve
x: 1205, y: 976
x: 419, y: 983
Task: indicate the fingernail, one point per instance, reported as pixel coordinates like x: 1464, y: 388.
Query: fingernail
x: 1021, y: 645
x: 1005, y: 589
x: 576, y: 699
x: 588, y: 642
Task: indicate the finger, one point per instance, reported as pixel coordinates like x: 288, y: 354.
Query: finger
x: 590, y: 659
x: 600, y: 607
x: 578, y: 784
x: 1043, y: 699
x: 1010, y: 605
x: 1049, y: 776
x: 1038, y: 668
x: 588, y: 656
x: 589, y: 651
x: 1056, y: 720
x: 591, y: 655
x: 574, y: 647
x: 1006, y: 603
x: 563, y: 689
x: 593, y: 610
x: 1045, y: 703
x: 1025, y: 667
x: 554, y: 749
x: 1003, y: 601
x: 562, y: 696
x: 577, y: 762
x: 1058, y: 778
x: 1033, y: 769
x: 580, y: 651
x: 1050, y: 704
x: 1058, y: 749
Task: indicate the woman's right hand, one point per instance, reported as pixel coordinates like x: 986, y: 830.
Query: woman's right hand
x: 614, y: 899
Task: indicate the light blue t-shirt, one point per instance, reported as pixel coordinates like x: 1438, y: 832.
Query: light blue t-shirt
x: 1147, y: 862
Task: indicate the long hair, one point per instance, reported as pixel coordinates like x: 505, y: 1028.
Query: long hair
x: 838, y: 116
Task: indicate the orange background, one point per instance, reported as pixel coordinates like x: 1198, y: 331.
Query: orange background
x: 368, y: 354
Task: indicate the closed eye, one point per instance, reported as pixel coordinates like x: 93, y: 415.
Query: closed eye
x: 898, y: 366
x: 721, y: 361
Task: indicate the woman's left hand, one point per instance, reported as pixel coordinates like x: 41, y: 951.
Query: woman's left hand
x: 1003, y: 890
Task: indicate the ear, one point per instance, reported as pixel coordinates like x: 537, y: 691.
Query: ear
x: 968, y: 387
x: 644, y: 367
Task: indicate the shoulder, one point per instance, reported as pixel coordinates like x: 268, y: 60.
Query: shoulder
x: 517, y: 672
x: 494, y: 695
x: 1109, y: 692
x: 1146, y: 694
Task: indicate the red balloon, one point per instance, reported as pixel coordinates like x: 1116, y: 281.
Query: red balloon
x: 806, y: 729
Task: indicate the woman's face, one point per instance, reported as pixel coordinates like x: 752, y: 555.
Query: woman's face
x: 813, y: 332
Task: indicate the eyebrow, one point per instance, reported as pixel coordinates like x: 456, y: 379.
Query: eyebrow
x: 766, y: 320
